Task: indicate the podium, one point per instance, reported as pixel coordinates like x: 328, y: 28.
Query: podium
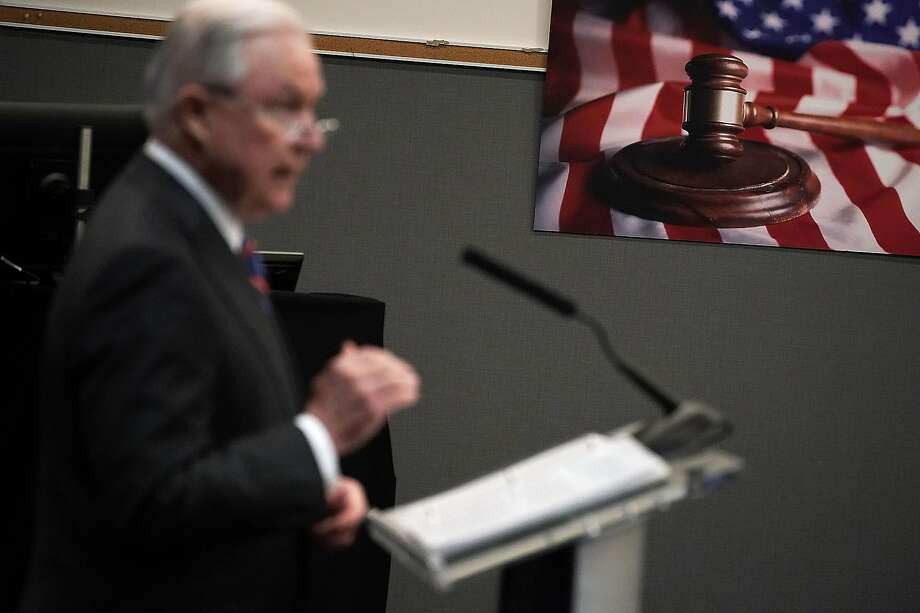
x: 588, y: 561
x: 600, y: 570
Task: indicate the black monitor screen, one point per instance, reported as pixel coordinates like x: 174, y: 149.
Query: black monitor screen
x: 282, y: 268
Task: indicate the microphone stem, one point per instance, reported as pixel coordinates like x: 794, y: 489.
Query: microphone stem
x: 667, y: 404
x: 33, y: 279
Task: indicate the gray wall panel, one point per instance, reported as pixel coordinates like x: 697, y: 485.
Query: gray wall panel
x: 814, y: 354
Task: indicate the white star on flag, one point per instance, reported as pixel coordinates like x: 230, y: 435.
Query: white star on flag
x: 909, y: 33
x: 793, y: 4
x: 752, y: 33
x: 794, y: 38
x: 824, y: 21
x: 773, y: 21
x: 877, y: 11
x: 727, y: 9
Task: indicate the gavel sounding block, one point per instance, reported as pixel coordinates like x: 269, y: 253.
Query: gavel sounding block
x: 666, y: 180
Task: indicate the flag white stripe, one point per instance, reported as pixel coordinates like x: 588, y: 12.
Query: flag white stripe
x: 817, y: 105
x: 842, y: 224
x: 896, y: 172
x: 669, y: 56
x: 624, y: 126
x: 636, y: 227
x: 551, y: 180
x: 832, y: 85
x: 912, y: 112
x: 761, y: 71
x: 897, y: 65
x: 748, y: 236
x: 550, y: 141
x: 595, y: 56
x: 628, y: 115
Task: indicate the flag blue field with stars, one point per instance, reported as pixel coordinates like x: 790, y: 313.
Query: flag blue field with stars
x: 790, y: 27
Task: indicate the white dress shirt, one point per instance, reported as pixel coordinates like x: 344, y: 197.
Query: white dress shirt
x: 231, y: 228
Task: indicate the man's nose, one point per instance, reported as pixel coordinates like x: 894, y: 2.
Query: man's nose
x: 308, y: 140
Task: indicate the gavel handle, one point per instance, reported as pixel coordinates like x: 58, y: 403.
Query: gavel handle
x: 848, y: 127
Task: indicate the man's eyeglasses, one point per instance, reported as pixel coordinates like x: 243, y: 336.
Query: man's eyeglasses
x: 295, y: 123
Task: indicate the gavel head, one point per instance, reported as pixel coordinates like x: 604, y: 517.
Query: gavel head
x: 714, y: 107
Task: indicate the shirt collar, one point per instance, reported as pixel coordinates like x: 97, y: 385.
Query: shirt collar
x: 227, y: 223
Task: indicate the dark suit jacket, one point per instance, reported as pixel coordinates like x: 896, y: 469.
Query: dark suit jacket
x: 171, y: 477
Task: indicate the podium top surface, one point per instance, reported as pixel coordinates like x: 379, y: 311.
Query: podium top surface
x: 690, y: 477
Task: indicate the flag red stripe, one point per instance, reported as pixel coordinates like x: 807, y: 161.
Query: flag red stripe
x: 632, y: 52
x: 916, y: 56
x: 790, y: 83
x: 563, y: 70
x: 880, y: 205
x: 700, y: 47
x: 850, y: 163
x: 873, y: 90
x: 911, y: 154
x: 692, y: 233
x: 581, y: 211
x: 802, y: 232
x: 637, y: 20
x: 667, y: 113
x: 582, y: 129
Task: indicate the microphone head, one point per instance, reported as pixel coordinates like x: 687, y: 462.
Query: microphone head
x: 694, y: 426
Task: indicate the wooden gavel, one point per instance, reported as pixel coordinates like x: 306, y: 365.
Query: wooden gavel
x: 715, y: 113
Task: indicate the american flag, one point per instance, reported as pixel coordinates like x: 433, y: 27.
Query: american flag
x: 612, y: 83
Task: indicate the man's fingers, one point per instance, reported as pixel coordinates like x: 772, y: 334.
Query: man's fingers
x: 390, y: 396
x: 359, y: 388
x: 376, y: 380
x: 341, y: 538
x: 369, y: 362
x: 349, y: 506
x: 342, y: 520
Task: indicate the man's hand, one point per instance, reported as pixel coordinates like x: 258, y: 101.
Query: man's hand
x: 348, y: 505
x: 356, y: 391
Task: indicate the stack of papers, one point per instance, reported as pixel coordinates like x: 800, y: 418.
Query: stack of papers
x: 544, y: 490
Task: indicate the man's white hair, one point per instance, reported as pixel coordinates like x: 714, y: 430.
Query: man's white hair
x: 206, y: 44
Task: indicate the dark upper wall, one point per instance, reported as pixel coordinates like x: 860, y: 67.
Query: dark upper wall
x: 814, y: 354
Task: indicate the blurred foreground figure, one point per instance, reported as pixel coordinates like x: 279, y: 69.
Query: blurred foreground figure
x: 179, y: 471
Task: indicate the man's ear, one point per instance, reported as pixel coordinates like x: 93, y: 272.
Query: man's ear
x: 191, y: 113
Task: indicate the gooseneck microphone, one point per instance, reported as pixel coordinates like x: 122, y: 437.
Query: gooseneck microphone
x: 686, y: 426
x: 567, y: 308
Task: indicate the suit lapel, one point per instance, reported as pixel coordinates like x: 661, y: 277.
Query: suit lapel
x: 227, y: 275
x: 230, y: 279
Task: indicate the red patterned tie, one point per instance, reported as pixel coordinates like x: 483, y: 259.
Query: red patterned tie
x: 254, y: 266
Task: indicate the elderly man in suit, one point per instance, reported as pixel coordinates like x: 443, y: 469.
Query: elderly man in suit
x: 179, y: 471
